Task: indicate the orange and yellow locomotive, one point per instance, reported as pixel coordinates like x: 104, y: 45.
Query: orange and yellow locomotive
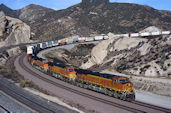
x: 112, y: 85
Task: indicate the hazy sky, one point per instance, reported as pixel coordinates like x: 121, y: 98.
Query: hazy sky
x: 62, y: 4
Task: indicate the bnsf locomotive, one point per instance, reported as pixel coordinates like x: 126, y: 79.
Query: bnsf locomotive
x: 112, y: 85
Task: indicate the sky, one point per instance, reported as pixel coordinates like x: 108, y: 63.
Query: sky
x: 62, y: 4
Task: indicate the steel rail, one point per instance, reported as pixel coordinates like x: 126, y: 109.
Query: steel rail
x: 152, y: 106
x: 24, y: 100
x: 6, y: 110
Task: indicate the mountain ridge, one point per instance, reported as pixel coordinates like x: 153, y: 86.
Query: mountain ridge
x: 100, y: 17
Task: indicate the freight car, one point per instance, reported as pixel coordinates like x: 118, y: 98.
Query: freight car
x: 29, y: 50
x: 75, y: 40
x: 89, y: 39
x: 105, y: 37
x: 81, y: 39
x: 62, y: 42
x: 97, y: 38
x: 55, y: 43
x: 44, y: 45
x: 50, y: 44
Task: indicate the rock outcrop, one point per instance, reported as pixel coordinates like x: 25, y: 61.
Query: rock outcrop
x: 3, y: 22
x: 13, y: 31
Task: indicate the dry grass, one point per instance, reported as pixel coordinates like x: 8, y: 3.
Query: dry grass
x: 17, y: 78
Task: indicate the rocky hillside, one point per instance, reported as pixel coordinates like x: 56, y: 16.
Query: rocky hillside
x: 8, y: 11
x: 137, y: 56
x: 12, y: 32
x: 92, y: 17
x: 31, y: 13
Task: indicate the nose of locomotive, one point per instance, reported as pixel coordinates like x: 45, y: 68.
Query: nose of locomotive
x: 129, y: 84
x: 129, y: 87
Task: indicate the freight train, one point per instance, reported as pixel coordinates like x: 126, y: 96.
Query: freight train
x: 112, y: 85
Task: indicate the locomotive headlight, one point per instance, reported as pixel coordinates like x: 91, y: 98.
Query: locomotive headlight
x: 73, y: 76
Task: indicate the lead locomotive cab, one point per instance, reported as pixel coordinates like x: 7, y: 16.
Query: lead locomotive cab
x: 126, y: 88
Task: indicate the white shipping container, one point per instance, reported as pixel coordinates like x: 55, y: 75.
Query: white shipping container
x: 122, y: 35
x: 55, y: 43
x: 118, y: 35
x: 59, y: 41
x: 29, y: 49
x: 145, y: 34
x: 125, y: 35
x: 134, y: 34
x: 40, y: 45
x: 89, y: 39
x: 156, y: 33
x: 81, y: 38
x: 98, y: 38
x: 166, y: 32
x: 105, y: 37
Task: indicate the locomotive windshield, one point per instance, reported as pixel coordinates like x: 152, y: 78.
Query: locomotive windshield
x: 124, y: 81
x: 70, y: 70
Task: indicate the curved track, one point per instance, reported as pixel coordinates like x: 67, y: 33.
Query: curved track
x: 30, y: 101
x: 25, y: 100
x: 137, y: 107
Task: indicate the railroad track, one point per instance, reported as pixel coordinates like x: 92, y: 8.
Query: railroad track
x: 4, y: 109
x: 130, y: 109
x: 24, y: 100
x: 152, y: 106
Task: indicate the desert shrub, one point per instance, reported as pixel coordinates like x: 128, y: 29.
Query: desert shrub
x: 26, y: 83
